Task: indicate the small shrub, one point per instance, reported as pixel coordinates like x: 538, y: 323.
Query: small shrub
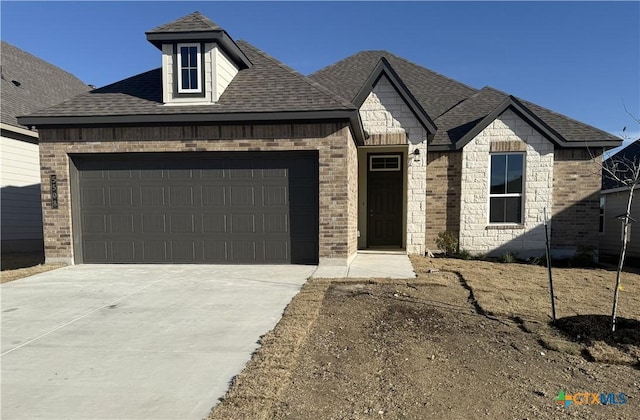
x: 584, y: 257
x: 447, y: 243
x: 507, y: 258
x: 465, y: 255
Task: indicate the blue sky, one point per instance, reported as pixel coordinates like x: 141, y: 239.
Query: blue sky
x: 581, y: 59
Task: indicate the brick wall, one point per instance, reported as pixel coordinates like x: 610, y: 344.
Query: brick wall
x: 442, y: 195
x: 337, y: 169
x: 576, y: 201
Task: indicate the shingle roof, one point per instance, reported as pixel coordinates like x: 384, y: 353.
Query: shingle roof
x: 30, y: 84
x: 455, y: 108
x: 267, y: 86
x: 461, y: 119
x: 435, y: 92
x: 630, y: 153
x: 195, y: 22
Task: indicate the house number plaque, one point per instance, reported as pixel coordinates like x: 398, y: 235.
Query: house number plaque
x: 54, y: 192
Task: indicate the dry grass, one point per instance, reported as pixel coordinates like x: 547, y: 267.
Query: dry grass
x: 258, y: 386
x: 20, y: 265
x: 583, y: 297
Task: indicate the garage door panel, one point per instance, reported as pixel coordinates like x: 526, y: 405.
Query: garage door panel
x: 93, y: 197
x: 152, y: 196
x: 243, y: 250
x: 242, y: 195
x: 213, y: 195
x: 123, y: 251
x: 96, y: 251
x: 214, y: 223
x: 209, y: 208
x: 121, y: 223
x: 181, y: 196
x: 154, y: 251
x: 154, y: 223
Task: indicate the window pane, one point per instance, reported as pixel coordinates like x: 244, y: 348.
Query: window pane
x: 185, y: 79
x: 514, y: 174
x: 193, y: 56
x: 498, y: 170
x: 496, y: 209
x: 513, y: 210
x: 184, y: 56
x: 194, y: 79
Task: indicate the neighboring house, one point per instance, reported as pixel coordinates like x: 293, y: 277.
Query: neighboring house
x: 613, y: 204
x: 226, y: 155
x: 28, y: 84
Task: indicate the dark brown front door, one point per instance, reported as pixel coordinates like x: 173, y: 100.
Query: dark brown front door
x: 384, y: 200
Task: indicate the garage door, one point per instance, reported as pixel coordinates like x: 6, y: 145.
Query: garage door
x: 238, y: 208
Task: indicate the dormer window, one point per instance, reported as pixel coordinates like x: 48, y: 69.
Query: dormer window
x: 189, y: 60
x: 199, y: 60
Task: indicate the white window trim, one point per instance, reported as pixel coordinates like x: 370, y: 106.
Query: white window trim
x: 199, y: 68
x: 521, y: 195
x: 372, y: 169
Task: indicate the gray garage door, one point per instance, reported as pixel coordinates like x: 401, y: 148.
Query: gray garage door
x: 239, y: 208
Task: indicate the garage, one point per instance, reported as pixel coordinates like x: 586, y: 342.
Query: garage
x: 209, y: 207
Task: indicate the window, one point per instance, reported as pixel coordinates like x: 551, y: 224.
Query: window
x: 601, y: 225
x: 384, y: 163
x: 505, y: 195
x: 189, y: 68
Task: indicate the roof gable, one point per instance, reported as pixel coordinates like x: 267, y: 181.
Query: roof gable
x: 434, y: 92
x: 630, y: 154
x: 383, y: 68
x: 197, y: 28
x: 462, y: 123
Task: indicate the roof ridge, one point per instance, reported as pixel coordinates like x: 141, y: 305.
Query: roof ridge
x: 428, y: 69
x: 321, y: 88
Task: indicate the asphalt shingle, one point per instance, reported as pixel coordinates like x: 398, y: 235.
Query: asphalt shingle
x: 195, y: 22
x: 267, y: 86
x: 30, y: 84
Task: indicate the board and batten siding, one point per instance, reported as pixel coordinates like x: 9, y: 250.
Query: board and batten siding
x: 21, y: 210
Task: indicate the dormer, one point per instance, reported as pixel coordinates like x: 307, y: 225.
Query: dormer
x: 199, y: 60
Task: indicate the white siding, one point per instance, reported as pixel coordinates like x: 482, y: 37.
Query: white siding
x: 385, y: 112
x: 476, y: 235
x: 21, y: 210
x: 225, y: 72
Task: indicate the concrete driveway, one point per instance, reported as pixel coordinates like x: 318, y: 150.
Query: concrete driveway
x: 134, y: 341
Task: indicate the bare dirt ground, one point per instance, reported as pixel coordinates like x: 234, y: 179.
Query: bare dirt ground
x: 19, y: 265
x: 468, y: 341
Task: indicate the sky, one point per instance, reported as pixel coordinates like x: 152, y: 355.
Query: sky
x: 581, y: 59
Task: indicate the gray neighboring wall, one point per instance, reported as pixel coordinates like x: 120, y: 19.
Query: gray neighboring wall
x: 28, y: 85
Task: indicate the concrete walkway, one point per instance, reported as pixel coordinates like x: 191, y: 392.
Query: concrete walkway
x: 134, y: 341
x: 371, y: 264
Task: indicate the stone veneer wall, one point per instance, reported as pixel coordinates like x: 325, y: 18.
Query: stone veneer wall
x: 337, y: 166
x: 476, y: 234
x: 444, y: 172
x: 385, y: 112
x: 576, y: 201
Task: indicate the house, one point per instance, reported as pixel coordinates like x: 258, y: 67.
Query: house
x: 28, y: 84
x: 226, y: 155
x: 613, y: 204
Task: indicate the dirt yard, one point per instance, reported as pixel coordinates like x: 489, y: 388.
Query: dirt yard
x: 468, y: 341
x: 19, y: 265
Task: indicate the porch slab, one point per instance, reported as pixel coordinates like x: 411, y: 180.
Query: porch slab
x: 370, y: 264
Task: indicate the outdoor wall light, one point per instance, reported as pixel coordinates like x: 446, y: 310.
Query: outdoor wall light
x: 416, y: 155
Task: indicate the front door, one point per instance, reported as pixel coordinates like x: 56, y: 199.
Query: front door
x: 384, y: 200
